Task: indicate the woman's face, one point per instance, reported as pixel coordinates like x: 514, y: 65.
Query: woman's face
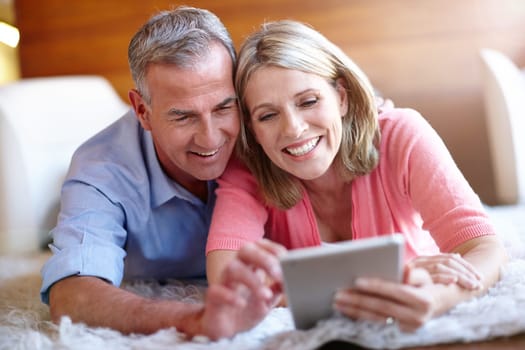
x: 296, y: 118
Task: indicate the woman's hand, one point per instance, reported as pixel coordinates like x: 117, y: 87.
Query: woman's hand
x: 249, y: 287
x: 449, y: 268
x: 372, y: 299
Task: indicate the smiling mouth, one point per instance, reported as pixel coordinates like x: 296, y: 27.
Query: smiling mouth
x: 302, y: 150
x: 207, y: 154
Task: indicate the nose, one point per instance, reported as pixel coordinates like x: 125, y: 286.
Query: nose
x: 292, y: 124
x: 208, y: 134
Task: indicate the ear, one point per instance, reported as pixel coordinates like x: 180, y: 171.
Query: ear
x: 342, y: 92
x: 141, y: 108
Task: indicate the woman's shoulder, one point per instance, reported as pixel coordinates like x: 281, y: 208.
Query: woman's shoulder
x: 236, y: 168
x: 406, y: 134
x: 404, y: 123
x: 238, y: 175
x: 400, y: 116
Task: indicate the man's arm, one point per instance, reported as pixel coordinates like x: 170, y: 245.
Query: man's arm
x: 97, y: 303
x: 236, y: 302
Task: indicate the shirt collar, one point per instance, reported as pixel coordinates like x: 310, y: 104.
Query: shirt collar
x: 163, y: 188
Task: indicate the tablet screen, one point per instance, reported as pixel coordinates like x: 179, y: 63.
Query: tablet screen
x: 312, y: 275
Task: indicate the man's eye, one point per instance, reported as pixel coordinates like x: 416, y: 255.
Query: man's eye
x: 226, y: 108
x: 180, y: 118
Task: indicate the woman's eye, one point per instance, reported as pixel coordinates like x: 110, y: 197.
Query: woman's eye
x: 266, y: 116
x: 309, y: 102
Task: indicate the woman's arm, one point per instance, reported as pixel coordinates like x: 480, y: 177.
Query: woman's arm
x: 417, y: 300
x: 487, y: 255
x: 451, y: 212
x: 239, y: 217
x: 216, y: 261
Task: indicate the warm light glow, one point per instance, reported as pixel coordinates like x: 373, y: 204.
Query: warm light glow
x: 9, y: 35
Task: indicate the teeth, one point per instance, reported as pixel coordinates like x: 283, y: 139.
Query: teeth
x: 307, y: 147
x: 207, y: 154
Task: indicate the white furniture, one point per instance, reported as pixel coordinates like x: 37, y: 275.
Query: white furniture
x: 42, y: 122
x: 504, y: 97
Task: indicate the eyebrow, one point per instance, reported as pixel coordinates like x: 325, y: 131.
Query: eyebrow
x: 227, y: 101
x: 182, y: 112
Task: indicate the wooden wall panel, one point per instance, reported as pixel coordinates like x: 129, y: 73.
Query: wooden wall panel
x: 422, y: 54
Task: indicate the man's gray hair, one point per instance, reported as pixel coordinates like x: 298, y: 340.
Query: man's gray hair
x: 177, y: 37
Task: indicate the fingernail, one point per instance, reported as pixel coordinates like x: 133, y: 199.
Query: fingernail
x: 337, y: 296
x: 277, y: 272
x: 361, y: 282
x: 337, y: 308
x: 475, y: 285
x: 265, y: 293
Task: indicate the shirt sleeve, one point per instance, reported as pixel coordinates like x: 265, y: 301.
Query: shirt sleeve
x: 239, y: 215
x: 88, y: 239
x: 450, y: 209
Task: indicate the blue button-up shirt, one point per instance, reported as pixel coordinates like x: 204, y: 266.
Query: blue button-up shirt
x: 122, y: 217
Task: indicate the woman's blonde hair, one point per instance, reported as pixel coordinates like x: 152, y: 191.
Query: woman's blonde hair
x: 294, y: 45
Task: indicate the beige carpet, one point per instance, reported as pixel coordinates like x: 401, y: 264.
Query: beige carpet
x: 25, y: 325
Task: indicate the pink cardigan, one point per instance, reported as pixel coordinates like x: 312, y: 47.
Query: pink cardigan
x: 416, y: 190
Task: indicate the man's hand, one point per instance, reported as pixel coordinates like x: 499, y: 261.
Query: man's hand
x: 250, y: 285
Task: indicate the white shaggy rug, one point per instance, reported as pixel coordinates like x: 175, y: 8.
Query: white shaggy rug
x: 25, y: 322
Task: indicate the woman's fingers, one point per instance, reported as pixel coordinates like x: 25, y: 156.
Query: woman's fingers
x: 256, y: 270
x: 378, y: 300
x: 263, y: 255
x: 362, y: 306
x: 241, y: 278
x: 416, y: 276
x: 449, y: 268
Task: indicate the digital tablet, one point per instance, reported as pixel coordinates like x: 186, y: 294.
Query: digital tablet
x: 312, y: 275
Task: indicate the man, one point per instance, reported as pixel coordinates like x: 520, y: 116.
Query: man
x: 138, y: 198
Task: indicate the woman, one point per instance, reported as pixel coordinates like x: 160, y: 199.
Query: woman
x: 328, y: 167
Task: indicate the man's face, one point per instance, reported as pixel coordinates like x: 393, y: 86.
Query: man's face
x: 193, y: 117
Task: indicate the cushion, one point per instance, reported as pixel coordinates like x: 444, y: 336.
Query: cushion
x: 504, y: 98
x: 42, y: 122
